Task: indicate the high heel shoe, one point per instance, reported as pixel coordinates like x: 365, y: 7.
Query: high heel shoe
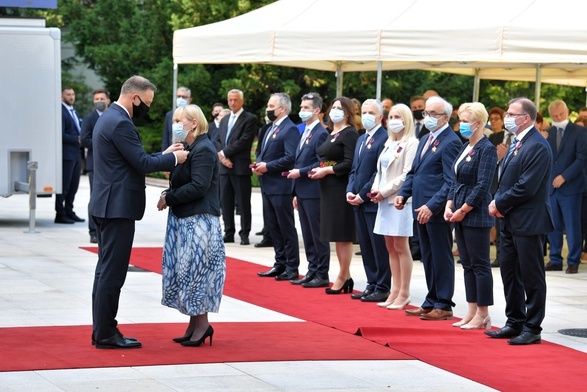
x: 400, y: 306
x: 458, y: 324
x: 184, y: 338
x: 486, y: 325
x: 198, y: 343
x: 347, y: 287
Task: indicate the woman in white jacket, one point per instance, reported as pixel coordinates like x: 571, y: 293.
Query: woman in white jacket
x: 396, y: 225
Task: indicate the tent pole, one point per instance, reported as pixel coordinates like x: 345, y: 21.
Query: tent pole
x: 378, y: 93
x: 538, y: 85
x: 476, y: 86
x: 175, y: 66
x: 339, y: 77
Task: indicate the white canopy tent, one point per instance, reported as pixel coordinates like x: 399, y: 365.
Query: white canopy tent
x: 503, y: 40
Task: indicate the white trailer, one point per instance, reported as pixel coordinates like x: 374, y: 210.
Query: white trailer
x: 30, y: 106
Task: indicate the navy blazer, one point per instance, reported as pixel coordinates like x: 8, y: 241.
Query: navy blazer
x: 86, y: 137
x: 167, y: 138
x: 70, y: 135
x: 473, y: 181
x: 239, y: 144
x: 522, y: 195
x: 279, y: 153
x: 194, y: 185
x: 570, y: 159
x: 120, y: 164
x: 432, y: 175
x: 365, y: 166
x: 306, y: 159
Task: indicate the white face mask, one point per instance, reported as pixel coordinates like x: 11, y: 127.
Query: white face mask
x: 368, y: 121
x: 560, y: 124
x: 305, y: 116
x: 431, y: 123
x: 178, y: 132
x: 396, y: 125
x: 181, y: 102
x: 510, y: 124
x: 336, y: 115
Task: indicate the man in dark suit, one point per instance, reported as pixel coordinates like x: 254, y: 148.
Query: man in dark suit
x: 234, y: 141
x: 428, y: 183
x: 307, y: 193
x: 568, y: 142
x: 215, y: 123
x: 521, y: 203
x: 266, y: 241
x: 101, y: 102
x: 183, y: 97
x: 373, y: 250
x: 118, y: 200
x: 71, y: 159
x: 278, y: 155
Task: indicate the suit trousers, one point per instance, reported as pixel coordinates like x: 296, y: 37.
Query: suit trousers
x: 71, y: 175
x: 373, y: 251
x: 236, y: 187
x: 317, y: 251
x: 565, y: 217
x: 279, y: 217
x: 439, y: 264
x: 473, y: 245
x: 522, y: 272
x: 115, y: 238
x: 91, y: 224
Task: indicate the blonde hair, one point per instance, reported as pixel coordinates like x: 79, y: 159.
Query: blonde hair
x: 192, y: 112
x: 409, y: 129
x: 477, y: 110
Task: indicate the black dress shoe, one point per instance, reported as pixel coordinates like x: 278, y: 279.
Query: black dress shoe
x: 245, y: 241
x: 119, y: 334
x: 93, y: 239
x: 553, y: 267
x: 572, y: 269
x: 376, y: 296
x: 316, y: 282
x: 259, y: 233
x: 288, y: 275
x: 228, y: 239
x: 272, y: 272
x: 265, y: 243
x: 304, y: 279
x: 117, y: 341
x: 525, y: 338
x: 361, y: 295
x: 75, y: 218
x: 504, y: 333
x: 64, y: 219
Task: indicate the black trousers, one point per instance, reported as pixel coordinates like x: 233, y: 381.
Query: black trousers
x: 71, y: 175
x: 234, y: 187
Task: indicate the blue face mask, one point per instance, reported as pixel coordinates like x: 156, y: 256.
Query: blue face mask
x: 510, y: 124
x: 305, y: 116
x: 368, y: 121
x: 465, y: 130
x: 431, y: 123
x: 178, y: 132
x: 181, y: 102
x: 336, y: 115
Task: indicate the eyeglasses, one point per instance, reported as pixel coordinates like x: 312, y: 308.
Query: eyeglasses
x: 515, y: 114
x: 432, y: 114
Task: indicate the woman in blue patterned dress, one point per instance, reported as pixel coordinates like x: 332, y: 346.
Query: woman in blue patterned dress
x: 194, y: 262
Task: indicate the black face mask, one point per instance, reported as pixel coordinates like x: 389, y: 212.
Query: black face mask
x: 215, y: 115
x: 418, y: 114
x: 139, y: 110
x: 271, y: 115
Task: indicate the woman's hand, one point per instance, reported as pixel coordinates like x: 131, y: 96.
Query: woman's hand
x: 318, y: 172
x: 162, y: 204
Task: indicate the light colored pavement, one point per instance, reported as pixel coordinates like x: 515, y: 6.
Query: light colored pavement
x: 46, y: 279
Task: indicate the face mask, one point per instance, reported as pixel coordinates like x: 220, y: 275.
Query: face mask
x: 178, y: 132
x: 560, y: 124
x: 336, y: 115
x: 465, y: 130
x: 431, y: 123
x: 215, y: 115
x: 368, y: 121
x: 510, y: 124
x: 271, y: 115
x: 418, y: 114
x: 395, y: 125
x: 139, y: 110
x: 100, y: 105
x: 181, y: 102
x: 305, y: 116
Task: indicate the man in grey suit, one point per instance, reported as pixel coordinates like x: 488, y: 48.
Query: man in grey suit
x: 118, y: 200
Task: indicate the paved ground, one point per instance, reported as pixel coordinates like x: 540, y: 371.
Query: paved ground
x: 45, y: 279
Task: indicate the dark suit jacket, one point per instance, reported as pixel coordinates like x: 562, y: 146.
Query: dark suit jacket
x: 306, y: 159
x: 570, y: 159
x: 522, y: 196
x: 365, y: 166
x: 431, y: 176
x: 70, y: 135
x: 473, y: 182
x: 240, y: 141
x: 194, y: 184
x: 497, y: 138
x: 166, y: 139
x: 279, y: 154
x: 423, y: 131
x: 86, y: 137
x: 213, y: 134
x: 120, y: 164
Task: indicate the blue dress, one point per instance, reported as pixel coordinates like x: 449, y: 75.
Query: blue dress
x: 194, y: 264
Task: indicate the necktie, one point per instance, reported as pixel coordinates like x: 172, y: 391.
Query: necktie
x: 428, y: 142
x: 418, y: 127
x: 304, y: 137
x: 269, y: 133
x: 559, y: 138
x: 230, y: 124
x: 75, y: 119
x: 508, y: 156
x: 363, y: 143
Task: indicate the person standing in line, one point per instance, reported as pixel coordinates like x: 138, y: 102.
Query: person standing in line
x: 118, y: 200
x: 521, y: 203
x: 217, y: 108
x: 71, y: 159
x: 467, y: 209
x: 101, y: 103
x: 194, y: 260
x: 396, y: 225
